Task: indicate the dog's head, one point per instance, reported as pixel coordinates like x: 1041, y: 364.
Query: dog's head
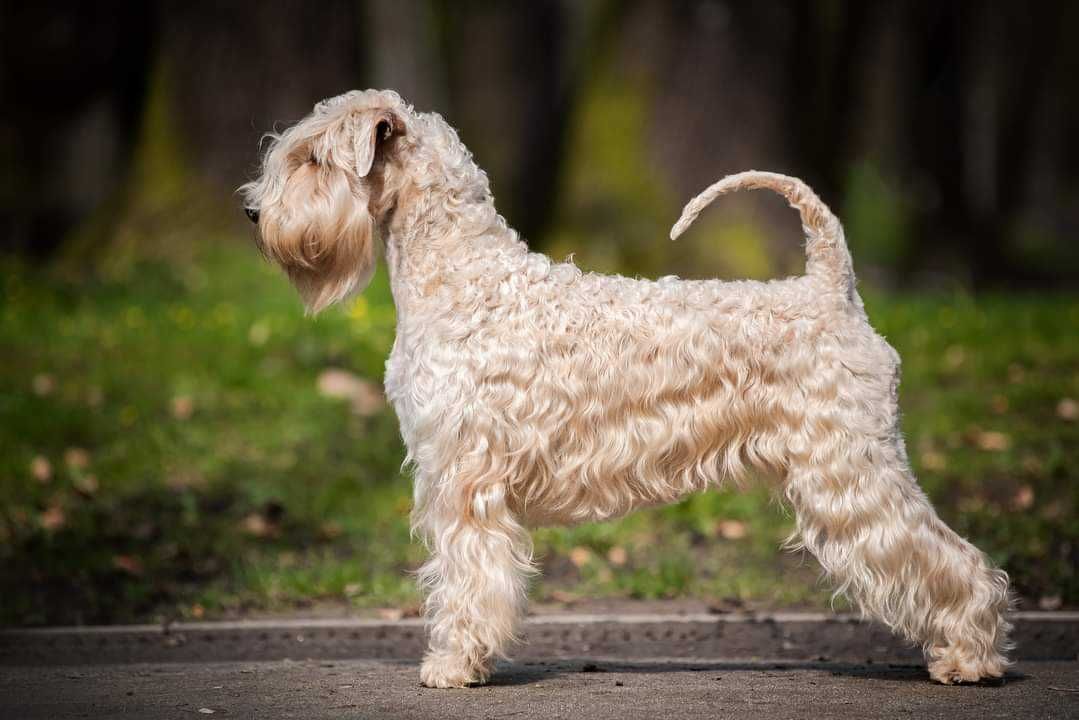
x: 326, y: 186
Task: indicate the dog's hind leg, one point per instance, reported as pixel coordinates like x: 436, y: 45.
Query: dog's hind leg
x: 476, y: 579
x: 861, y: 513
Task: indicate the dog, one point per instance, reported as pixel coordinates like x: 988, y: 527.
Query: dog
x: 531, y: 393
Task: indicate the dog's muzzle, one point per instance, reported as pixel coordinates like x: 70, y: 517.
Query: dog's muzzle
x: 252, y: 214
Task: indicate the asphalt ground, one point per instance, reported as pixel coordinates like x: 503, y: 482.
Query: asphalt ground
x: 596, y: 666
x: 597, y: 689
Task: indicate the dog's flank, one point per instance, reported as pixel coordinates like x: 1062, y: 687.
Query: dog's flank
x: 532, y: 393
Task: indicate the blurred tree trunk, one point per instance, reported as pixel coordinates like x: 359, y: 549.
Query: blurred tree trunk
x: 76, y: 75
x: 948, y: 130
x: 822, y: 96
x: 724, y: 102
x: 401, y: 44
x: 243, y: 67
x: 515, y: 73
x: 72, y: 83
x: 978, y: 79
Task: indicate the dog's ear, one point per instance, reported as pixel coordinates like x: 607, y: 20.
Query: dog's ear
x: 373, y: 129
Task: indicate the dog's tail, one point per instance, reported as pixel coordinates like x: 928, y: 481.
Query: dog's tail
x: 827, y: 256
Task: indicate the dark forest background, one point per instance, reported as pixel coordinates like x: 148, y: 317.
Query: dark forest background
x: 947, y: 134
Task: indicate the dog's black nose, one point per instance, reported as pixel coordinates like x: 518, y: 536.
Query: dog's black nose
x: 252, y: 214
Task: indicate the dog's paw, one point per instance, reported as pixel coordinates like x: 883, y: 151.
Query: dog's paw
x: 448, y: 671
x: 952, y: 667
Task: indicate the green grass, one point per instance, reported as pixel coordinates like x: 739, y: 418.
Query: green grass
x: 195, y: 469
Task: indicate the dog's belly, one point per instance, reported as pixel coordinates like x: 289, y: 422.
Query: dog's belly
x: 610, y: 440
x: 613, y: 469
x: 583, y: 506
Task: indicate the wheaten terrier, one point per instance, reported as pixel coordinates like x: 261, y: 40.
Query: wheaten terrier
x: 531, y: 393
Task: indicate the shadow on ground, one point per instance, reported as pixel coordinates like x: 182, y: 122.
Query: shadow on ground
x: 527, y: 673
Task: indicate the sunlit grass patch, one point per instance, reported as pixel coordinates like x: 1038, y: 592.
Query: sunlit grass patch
x: 183, y: 442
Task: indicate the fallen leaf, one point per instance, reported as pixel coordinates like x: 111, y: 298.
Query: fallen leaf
x: 87, y: 485
x: 182, y: 407
x: 365, y: 397
x: 1016, y: 373
x: 579, y: 556
x: 53, y: 518
x: 43, y: 384
x: 732, y: 529
x: 954, y: 357
x: 198, y: 611
x: 128, y: 563
x: 184, y: 479
x: 617, y: 555
x: 77, y: 458
x: 935, y: 461
x: 1050, y: 602
x: 971, y: 504
x: 330, y: 530
x: 1032, y: 464
x: 368, y: 399
x: 256, y: 525
x: 1068, y: 409
x: 41, y: 469
x: 337, y: 383
x: 993, y: 441
x: 391, y: 614
x: 1023, y: 498
x: 727, y: 605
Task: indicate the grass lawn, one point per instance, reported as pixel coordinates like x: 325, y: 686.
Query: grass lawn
x: 167, y: 452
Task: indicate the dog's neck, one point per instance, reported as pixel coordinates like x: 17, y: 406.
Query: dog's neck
x: 433, y: 246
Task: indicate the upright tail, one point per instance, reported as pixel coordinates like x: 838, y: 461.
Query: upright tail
x: 827, y: 256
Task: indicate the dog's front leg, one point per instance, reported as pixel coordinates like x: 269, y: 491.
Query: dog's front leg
x: 476, y: 579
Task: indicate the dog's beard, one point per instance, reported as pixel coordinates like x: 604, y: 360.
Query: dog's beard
x: 322, y: 234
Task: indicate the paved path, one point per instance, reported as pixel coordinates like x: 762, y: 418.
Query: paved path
x: 589, y: 689
x: 584, y: 667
